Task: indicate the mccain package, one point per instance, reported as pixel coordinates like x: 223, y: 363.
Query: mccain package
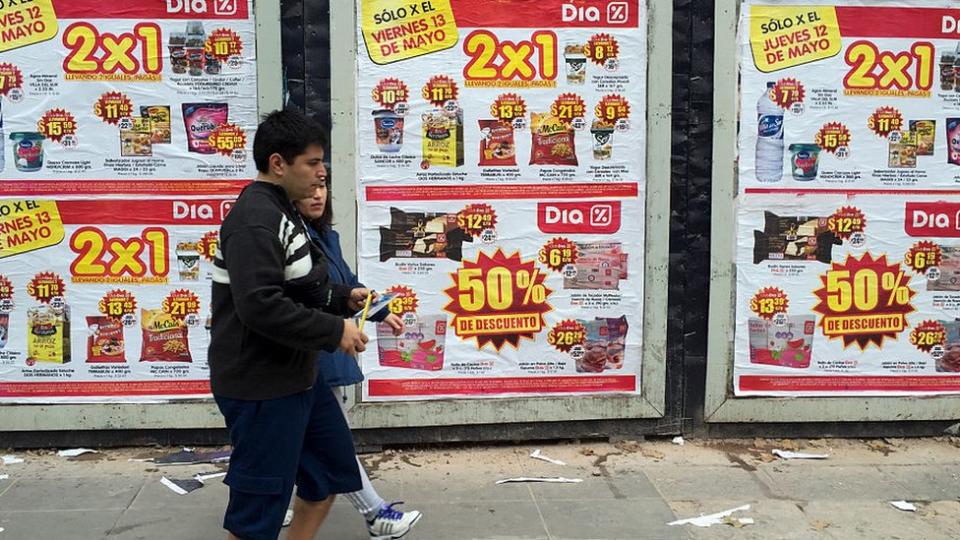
x: 949, y: 279
x: 802, y: 238
x: 950, y: 362
x: 605, y: 342
x: 104, y: 340
x: 164, y: 337
x: 600, y: 265
x: 552, y: 141
x: 789, y: 345
x: 443, y: 138
x: 422, y: 235
x: 419, y: 346
x: 48, y: 334
x: 497, y: 147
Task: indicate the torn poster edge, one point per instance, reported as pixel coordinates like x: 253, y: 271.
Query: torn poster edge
x: 904, y: 506
x: 710, y: 519
x: 787, y: 454
x: 553, y: 480
x: 176, y: 488
x: 74, y: 452
x: 202, y: 478
x: 536, y: 454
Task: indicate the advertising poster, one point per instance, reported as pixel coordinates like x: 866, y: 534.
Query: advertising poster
x: 848, y: 211
x: 501, y: 180
x: 125, y: 133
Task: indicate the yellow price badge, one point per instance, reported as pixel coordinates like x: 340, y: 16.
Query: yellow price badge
x: 26, y: 23
x: 788, y: 36
x: 28, y: 225
x: 395, y: 30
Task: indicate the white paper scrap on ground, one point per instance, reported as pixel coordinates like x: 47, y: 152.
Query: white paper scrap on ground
x: 786, y: 454
x: 904, y: 505
x: 708, y: 520
x: 182, y: 487
x: 4, y: 476
x: 678, y: 440
x: 288, y: 518
x: 11, y: 460
x: 537, y: 455
x: 74, y: 452
x: 745, y: 521
x: 204, y: 477
x: 553, y: 480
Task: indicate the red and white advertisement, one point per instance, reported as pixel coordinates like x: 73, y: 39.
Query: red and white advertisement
x: 103, y: 304
x: 502, y: 177
x: 848, y: 221
x: 125, y: 133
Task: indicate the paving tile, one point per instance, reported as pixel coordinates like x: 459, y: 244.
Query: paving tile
x: 50, y: 524
x: 924, y: 482
x: 828, y: 483
x: 877, y: 519
x: 772, y: 519
x: 479, y: 520
x: 156, y: 495
x: 679, y: 483
x: 72, y: 494
x: 633, y: 486
x: 609, y: 519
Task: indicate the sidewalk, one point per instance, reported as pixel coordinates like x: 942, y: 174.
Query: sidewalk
x: 629, y: 491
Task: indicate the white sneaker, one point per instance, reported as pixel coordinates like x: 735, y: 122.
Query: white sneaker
x: 391, y: 524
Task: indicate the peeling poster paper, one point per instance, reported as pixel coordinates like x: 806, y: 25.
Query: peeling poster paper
x: 904, y: 505
x: 708, y: 520
x: 787, y: 454
x: 553, y: 480
x: 74, y: 452
x: 182, y: 487
x: 537, y: 455
x: 204, y: 477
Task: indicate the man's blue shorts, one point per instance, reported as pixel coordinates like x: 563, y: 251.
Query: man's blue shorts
x: 302, y: 439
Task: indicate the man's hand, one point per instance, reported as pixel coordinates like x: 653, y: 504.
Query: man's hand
x: 353, y: 340
x: 358, y: 297
x: 396, y: 324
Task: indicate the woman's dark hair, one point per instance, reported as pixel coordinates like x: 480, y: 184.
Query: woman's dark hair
x: 287, y: 133
x: 325, y: 221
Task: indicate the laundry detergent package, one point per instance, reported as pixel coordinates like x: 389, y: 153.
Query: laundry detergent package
x: 200, y: 119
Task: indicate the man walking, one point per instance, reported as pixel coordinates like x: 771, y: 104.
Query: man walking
x: 273, y: 309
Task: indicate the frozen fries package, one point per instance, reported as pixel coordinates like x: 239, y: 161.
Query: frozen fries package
x: 165, y: 338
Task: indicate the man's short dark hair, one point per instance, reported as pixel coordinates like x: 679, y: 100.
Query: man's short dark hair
x: 287, y: 133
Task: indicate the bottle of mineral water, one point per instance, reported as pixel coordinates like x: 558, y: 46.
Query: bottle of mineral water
x: 769, y: 162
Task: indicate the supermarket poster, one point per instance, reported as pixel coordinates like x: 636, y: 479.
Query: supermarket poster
x: 848, y: 211
x: 125, y: 136
x: 501, y: 158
